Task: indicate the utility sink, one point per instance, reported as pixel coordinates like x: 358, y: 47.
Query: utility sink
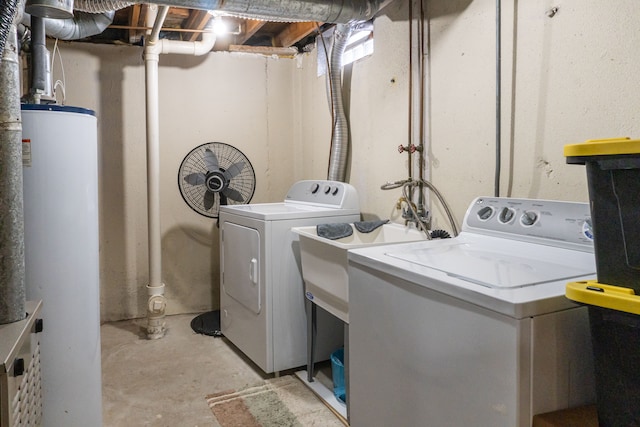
x: 324, y: 262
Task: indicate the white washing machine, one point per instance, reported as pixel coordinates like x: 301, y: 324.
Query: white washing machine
x: 474, y: 330
x: 262, y: 303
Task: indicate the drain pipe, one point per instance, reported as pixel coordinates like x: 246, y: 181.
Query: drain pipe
x: 12, y: 270
x: 156, y: 305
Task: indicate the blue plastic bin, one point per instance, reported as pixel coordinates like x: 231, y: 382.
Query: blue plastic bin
x: 337, y: 372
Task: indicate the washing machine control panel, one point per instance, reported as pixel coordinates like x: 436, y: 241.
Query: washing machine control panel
x: 326, y: 193
x: 531, y: 218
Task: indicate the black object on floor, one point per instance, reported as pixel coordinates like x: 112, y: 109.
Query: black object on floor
x: 207, y: 323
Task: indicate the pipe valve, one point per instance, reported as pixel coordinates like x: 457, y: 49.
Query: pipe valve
x: 410, y: 148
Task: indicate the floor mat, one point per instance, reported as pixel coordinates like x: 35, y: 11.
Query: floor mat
x: 277, y: 402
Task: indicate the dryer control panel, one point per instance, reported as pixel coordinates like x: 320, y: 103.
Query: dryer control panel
x: 531, y: 219
x: 339, y: 195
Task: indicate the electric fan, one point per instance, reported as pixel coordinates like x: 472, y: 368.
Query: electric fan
x: 215, y: 174
x: 211, y: 175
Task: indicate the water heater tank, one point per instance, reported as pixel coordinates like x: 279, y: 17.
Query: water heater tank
x: 61, y: 257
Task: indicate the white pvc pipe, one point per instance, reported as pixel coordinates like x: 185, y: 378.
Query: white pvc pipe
x: 153, y: 48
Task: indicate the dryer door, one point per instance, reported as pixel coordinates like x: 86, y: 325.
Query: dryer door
x: 241, y: 265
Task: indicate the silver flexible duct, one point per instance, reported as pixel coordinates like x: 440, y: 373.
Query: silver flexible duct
x: 100, y: 6
x: 7, y: 13
x: 12, y: 270
x: 340, y: 135
x: 335, y: 11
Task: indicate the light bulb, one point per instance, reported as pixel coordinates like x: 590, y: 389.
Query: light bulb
x: 219, y: 26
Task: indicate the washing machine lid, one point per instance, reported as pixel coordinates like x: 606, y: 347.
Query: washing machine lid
x: 284, y: 211
x: 499, y: 263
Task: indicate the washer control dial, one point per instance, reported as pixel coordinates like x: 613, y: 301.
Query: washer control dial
x: 485, y: 213
x: 315, y: 187
x: 506, y: 215
x: 529, y: 218
x: 327, y: 189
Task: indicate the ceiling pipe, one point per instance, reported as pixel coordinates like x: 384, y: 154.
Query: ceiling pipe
x: 82, y: 25
x: 333, y: 11
x: 157, y: 302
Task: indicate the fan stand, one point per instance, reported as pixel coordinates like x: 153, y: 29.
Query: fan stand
x: 207, y: 324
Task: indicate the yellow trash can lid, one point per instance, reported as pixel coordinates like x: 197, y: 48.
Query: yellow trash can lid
x: 603, y: 147
x: 601, y: 295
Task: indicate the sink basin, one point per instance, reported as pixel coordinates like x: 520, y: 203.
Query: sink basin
x: 324, y: 262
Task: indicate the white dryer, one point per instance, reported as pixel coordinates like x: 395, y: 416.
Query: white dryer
x: 474, y: 330
x: 262, y: 303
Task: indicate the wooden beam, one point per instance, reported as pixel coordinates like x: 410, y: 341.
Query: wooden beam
x: 288, y: 52
x: 134, y: 21
x: 251, y: 26
x: 197, y: 20
x: 295, y: 32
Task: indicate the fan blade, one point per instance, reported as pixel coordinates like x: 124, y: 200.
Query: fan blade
x: 210, y: 160
x: 209, y: 199
x: 233, y: 170
x: 233, y: 194
x: 195, y: 178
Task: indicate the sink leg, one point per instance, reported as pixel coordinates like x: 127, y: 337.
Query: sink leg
x: 311, y: 337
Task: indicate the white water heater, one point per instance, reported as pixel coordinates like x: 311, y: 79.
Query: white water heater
x: 62, y: 257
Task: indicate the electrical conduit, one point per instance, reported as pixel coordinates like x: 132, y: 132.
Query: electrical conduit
x: 156, y: 305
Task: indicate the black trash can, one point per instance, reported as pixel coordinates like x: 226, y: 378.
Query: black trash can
x: 613, y: 176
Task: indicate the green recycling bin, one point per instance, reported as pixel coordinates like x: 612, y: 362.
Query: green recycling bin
x: 613, y: 177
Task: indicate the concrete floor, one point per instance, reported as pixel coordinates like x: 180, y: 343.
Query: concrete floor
x: 164, y: 382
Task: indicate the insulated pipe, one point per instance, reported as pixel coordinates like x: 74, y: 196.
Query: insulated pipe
x: 39, y: 56
x: 340, y: 135
x: 12, y: 269
x: 157, y: 302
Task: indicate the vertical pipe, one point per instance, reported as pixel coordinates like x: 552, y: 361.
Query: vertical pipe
x: 340, y: 142
x: 410, y: 112
x: 498, y: 97
x: 12, y: 270
x: 39, y: 59
x: 157, y: 302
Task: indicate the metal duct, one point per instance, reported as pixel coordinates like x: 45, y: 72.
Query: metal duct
x: 7, y: 13
x: 39, y: 57
x: 340, y: 135
x: 82, y: 25
x: 12, y: 271
x: 100, y: 6
x: 335, y: 11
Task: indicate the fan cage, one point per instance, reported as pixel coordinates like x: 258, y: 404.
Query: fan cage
x: 227, y: 155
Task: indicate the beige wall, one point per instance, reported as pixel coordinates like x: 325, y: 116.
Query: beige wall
x: 565, y: 79
x: 241, y: 100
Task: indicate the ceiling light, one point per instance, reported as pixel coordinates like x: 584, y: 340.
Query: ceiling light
x: 219, y: 26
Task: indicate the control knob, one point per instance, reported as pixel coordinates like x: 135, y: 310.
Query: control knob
x: 506, y: 215
x: 529, y: 218
x: 485, y: 213
x: 314, y: 188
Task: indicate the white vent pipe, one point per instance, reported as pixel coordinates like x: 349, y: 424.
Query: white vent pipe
x: 153, y: 48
